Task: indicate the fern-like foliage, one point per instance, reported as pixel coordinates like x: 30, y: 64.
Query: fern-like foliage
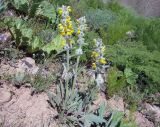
x: 136, y: 56
x: 2, y: 6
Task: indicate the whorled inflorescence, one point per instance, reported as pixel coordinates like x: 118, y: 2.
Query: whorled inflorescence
x: 65, y: 26
x: 100, y: 62
x: 82, y: 26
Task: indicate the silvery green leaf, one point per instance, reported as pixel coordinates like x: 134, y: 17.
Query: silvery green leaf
x: 102, y: 109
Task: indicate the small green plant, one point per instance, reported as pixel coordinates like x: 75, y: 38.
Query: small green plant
x: 132, y: 96
x: 19, y: 79
x: 115, y: 81
x: 41, y: 83
x: 130, y: 76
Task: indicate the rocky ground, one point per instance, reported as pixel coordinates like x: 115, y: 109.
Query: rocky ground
x: 20, y: 108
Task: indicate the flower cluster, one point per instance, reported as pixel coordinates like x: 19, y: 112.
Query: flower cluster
x: 82, y: 26
x: 65, y: 27
x: 98, y: 54
x: 100, y: 62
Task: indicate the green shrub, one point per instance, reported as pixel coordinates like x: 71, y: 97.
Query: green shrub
x: 81, y: 6
x: 148, y: 31
x: 124, y: 22
x: 136, y: 56
x: 25, y: 37
x: 114, y: 6
x: 118, y: 80
x: 97, y: 18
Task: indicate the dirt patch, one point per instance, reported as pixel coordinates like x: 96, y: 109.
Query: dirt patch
x: 19, y: 109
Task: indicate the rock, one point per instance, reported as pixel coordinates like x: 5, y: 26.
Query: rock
x: 25, y: 110
x: 141, y: 121
x: 5, y: 96
x: 152, y: 112
x: 9, y: 13
x: 116, y: 103
x: 27, y: 65
x: 5, y: 37
x: 24, y: 66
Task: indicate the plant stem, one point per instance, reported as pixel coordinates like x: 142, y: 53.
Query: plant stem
x: 68, y: 60
x: 75, y: 77
x: 67, y: 82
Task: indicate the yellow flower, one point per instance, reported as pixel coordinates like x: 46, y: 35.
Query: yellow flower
x: 69, y: 9
x: 60, y: 11
x: 68, y: 21
x: 95, y: 54
x: 69, y: 33
x: 94, y: 65
x: 72, y: 31
x: 60, y: 27
x: 70, y: 27
x: 102, y: 61
x: 78, y: 32
x: 62, y: 33
x: 103, y: 49
x: 68, y: 18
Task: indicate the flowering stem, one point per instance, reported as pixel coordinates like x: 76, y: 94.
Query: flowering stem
x: 67, y: 82
x: 68, y: 60
x: 75, y: 76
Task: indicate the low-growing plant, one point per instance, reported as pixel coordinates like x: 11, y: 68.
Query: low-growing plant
x: 42, y: 83
x: 19, y: 79
x: 133, y: 97
x: 115, y: 81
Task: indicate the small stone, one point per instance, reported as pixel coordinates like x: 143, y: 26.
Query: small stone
x: 116, y: 103
x: 141, y: 121
x: 27, y: 65
x: 5, y: 37
x: 5, y: 96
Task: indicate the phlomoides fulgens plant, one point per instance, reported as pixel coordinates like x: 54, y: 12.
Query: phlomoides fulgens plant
x: 99, y: 64
x: 75, y: 108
